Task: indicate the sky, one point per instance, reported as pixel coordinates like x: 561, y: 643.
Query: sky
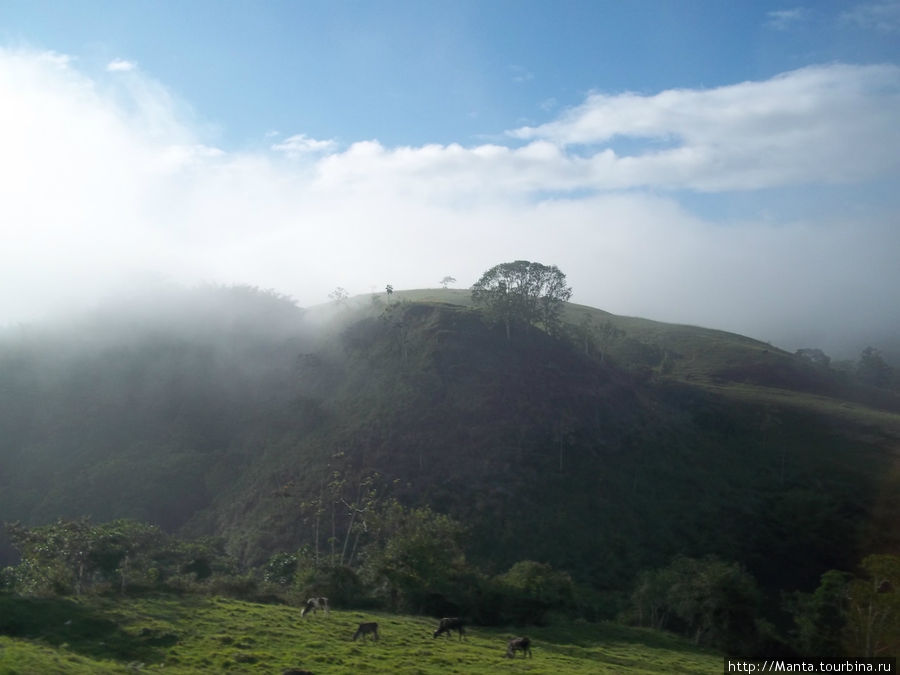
x: 732, y: 164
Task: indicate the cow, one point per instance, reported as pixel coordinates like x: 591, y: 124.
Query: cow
x: 314, y: 605
x: 522, y: 644
x: 364, y: 629
x: 446, y: 625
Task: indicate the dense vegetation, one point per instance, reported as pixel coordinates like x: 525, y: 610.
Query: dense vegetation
x: 408, y: 453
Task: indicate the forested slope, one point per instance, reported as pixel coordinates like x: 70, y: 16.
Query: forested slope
x: 230, y: 411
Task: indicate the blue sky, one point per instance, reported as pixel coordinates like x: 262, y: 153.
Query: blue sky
x: 434, y: 72
x: 732, y: 164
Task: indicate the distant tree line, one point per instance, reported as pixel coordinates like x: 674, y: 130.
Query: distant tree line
x: 871, y: 369
x: 78, y: 556
x: 414, y: 562
x: 718, y: 604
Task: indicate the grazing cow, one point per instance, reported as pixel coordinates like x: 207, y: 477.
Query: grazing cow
x: 518, y: 643
x: 364, y: 629
x: 447, y: 625
x: 314, y: 605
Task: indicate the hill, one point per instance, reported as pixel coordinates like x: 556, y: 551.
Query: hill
x: 232, y: 412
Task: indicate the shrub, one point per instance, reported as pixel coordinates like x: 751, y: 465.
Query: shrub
x: 710, y: 600
x: 529, y: 590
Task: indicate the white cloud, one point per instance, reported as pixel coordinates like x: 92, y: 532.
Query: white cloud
x: 301, y: 145
x: 880, y: 16
x: 784, y: 19
x: 819, y: 124
x: 120, y: 66
x: 100, y: 185
x: 827, y: 124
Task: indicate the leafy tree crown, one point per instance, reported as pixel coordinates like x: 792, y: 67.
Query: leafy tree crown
x: 523, y: 292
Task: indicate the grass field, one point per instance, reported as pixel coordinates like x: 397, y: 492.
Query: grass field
x: 212, y: 635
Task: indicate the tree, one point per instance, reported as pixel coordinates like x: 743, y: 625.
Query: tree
x: 56, y: 557
x: 447, y: 280
x: 280, y: 569
x: 650, y: 598
x: 608, y: 334
x: 713, y: 601
x: 73, y: 556
x: 415, y: 556
x: 530, y: 589
x: 584, y: 333
x: 873, y: 369
x: 814, y: 355
x: 873, y: 616
x: 339, y: 294
x: 346, y: 502
x: 523, y: 292
x: 820, y: 617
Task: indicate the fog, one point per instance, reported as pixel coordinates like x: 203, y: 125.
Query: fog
x: 766, y: 208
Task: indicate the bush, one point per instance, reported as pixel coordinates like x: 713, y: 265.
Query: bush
x: 529, y: 590
x: 415, y: 559
x: 77, y: 556
x: 281, y: 569
x: 712, y: 601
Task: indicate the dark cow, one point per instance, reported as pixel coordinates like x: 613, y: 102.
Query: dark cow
x: 364, y: 629
x: 447, y: 625
x: 522, y: 644
x: 314, y: 605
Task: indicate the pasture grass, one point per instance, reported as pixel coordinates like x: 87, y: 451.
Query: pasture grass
x: 875, y: 420
x: 217, y: 635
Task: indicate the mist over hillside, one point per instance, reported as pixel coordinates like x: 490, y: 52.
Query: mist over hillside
x: 603, y: 451
x: 228, y: 377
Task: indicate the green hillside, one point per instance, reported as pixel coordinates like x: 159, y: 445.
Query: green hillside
x: 605, y: 452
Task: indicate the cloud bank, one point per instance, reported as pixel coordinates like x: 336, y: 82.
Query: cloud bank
x: 819, y: 124
x: 107, y: 181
